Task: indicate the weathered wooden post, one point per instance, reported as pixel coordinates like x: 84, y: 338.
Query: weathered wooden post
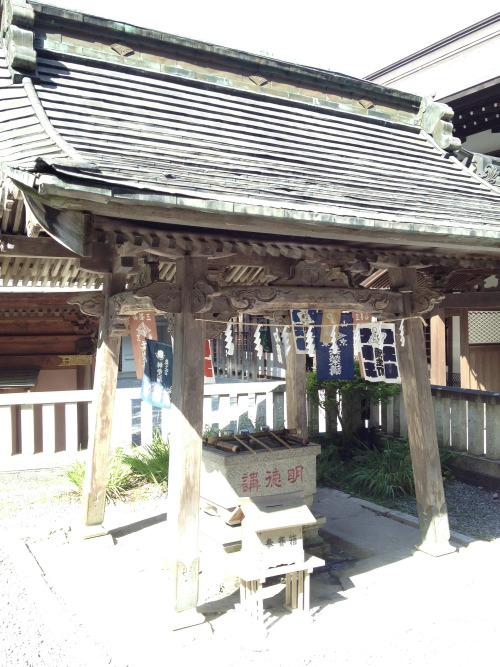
x: 296, y: 396
x: 96, y: 473
x: 438, y: 348
x: 183, y: 501
x: 431, y: 504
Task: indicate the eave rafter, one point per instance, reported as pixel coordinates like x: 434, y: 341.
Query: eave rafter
x: 130, y: 250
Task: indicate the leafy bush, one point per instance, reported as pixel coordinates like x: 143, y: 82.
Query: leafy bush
x: 329, y: 466
x: 150, y: 462
x: 381, y: 472
x: 120, y: 478
x: 345, y: 400
x: 127, y: 469
x: 384, y: 473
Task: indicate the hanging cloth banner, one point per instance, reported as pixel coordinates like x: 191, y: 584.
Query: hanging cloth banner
x: 208, y: 366
x: 259, y: 350
x: 336, y: 361
x: 157, y: 379
x: 278, y: 348
x: 285, y: 339
x: 228, y: 337
x: 361, y: 318
x: 302, y: 320
x: 265, y: 335
x: 378, y: 353
x: 329, y: 317
x: 142, y: 328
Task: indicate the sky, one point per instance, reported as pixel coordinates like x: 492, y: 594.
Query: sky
x: 355, y: 37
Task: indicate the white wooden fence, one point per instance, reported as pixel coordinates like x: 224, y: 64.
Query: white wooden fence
x: 467, y: 421
x: 44, y: 429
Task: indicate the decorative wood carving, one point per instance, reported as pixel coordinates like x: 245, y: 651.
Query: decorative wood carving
x: 91, y: 303
x: 165, y: 297
x: 204, y: 293
x: 264, y: 299
x: 317, y: 274
x: 127, y: 303
x: 424, y: 300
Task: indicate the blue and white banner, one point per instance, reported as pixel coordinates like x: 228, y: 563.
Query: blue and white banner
x: 335, y: 361
x: 302, y: 320
x: 157, y: 379
x: 379, y: 360
x: 279, y: 356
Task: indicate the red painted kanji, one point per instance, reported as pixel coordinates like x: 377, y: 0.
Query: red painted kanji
x: 250, y: 482
x: 273, y: 478
x: 296, y: 474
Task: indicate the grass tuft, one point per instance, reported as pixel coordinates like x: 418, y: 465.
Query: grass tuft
x: 120, y: 477
x: 128, y: 469
x: 150, y: 462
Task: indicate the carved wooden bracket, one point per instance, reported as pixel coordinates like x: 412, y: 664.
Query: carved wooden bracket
x: 315, y: 274
x: 165, y: 297
x: 91, y: 303
x: 423, y: 300
x: 258, y: 299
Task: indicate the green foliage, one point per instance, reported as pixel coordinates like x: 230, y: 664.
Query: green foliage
x: 120, y: 478
x: 150, y: 462
x: 330, y: 469
x: 128, y: 469
x: 342, y: 401
x: 210, y: 431
x: 384, y: 473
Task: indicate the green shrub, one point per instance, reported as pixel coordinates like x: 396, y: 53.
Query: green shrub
x: 328, y: 465
x: 120, y: 479
x: 384, y: 473
x: 343, y: 402
x: 149, y: 463
x: 387, y: 472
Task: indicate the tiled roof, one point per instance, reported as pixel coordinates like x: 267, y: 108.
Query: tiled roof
x: 142, y: 134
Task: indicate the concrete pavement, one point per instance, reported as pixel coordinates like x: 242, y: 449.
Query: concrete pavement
x: 379, y: 601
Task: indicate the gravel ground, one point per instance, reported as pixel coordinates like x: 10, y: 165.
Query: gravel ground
x: 472, y: 510
x: 35, y: 504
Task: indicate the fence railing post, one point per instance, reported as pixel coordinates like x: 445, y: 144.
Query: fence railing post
x: 7, y: 428
x: 442, y: 416
x: 279, y: 402
x: 48, y: 431
x: 389, y: 426
x: 475, y: 427
x: 312, y: 416
x: 27, y: 430
x: 71, y: 428
x: 458, y: 416
x: 493, y: 431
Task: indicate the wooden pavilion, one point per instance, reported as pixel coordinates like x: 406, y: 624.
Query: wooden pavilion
x: 204, y: 182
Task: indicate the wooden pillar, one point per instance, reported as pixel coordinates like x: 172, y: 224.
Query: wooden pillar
x: 296, y: 397
x: 438, y: 348
x: 96, y: 473
x: 465, y: 374
x: 431, y: 504
x: 183, y: 500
